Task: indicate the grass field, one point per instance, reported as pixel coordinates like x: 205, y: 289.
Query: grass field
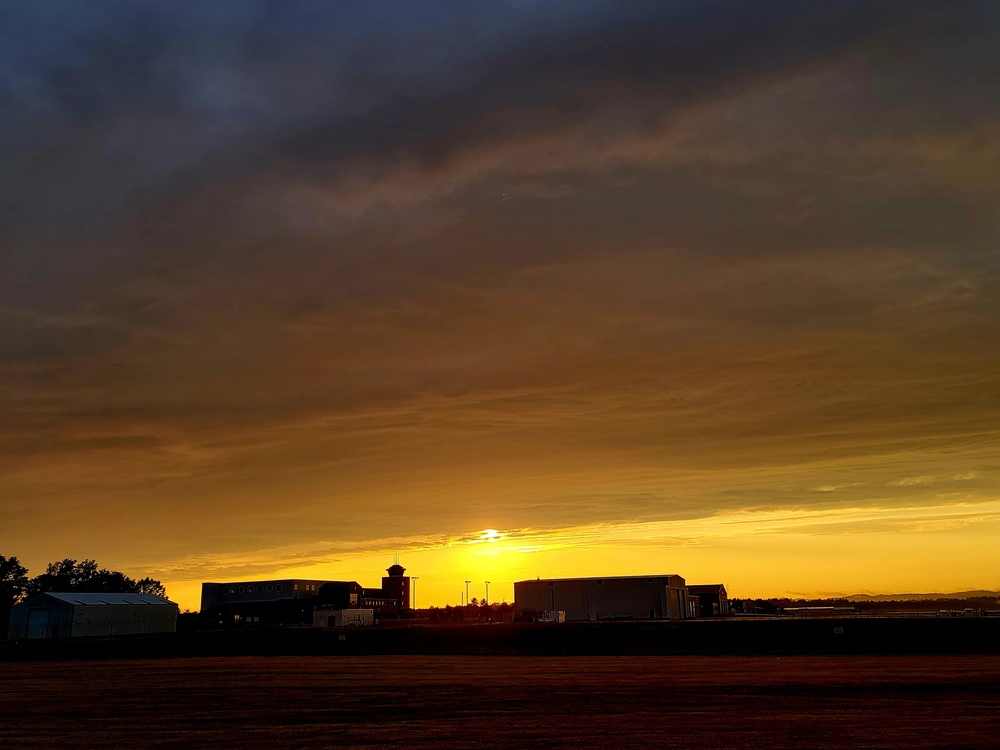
x: 469, y: 701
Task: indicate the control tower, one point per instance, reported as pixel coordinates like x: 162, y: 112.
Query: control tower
x: 397, y: 585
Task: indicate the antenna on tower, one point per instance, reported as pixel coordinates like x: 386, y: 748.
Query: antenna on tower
x: 395, y: 557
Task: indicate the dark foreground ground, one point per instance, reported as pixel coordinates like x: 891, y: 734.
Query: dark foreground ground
x: 502, y: 701
x: 875, y: 636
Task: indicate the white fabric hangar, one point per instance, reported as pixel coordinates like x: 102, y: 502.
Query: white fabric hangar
x: 62, y: 615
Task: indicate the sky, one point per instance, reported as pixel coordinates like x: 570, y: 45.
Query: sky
x: 513, y: 289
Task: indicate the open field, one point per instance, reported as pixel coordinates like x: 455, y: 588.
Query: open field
x: 469, y: 701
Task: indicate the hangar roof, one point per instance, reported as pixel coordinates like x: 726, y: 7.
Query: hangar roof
x: 604, y: 578
x: 100, y: 599
x: 705, y: 588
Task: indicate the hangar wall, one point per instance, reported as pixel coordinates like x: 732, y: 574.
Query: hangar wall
x: 61, y: 615
x: 658, y: 597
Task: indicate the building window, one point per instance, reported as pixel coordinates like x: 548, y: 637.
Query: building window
x: 277, y: 587
x: 241, y: 589
x: 269, y: 587
x: 260, y: 589
x: 295, y: 586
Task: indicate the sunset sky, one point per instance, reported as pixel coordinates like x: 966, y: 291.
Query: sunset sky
x: 705, y: 288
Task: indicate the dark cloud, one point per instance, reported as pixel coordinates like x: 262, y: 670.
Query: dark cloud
x: 235, y: 87
x: 551, y: 264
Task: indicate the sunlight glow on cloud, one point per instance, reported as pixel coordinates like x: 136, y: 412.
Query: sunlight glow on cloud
x: 635, y: 548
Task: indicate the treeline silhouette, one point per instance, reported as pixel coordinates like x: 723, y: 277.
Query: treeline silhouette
x: 773, y: 606
x: 64, y: 576
x: 474, y: 611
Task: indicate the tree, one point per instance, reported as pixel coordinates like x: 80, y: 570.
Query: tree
x: 65, y: 575
x: 111, y: 582
x: 85, y: 577
x: 13, y: 588
x: 150, y: 586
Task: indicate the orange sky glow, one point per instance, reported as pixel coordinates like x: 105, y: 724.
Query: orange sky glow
x: 516, y: 290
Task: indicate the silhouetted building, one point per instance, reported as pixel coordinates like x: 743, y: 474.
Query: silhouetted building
x: 289, y: 601
x: 711, y: 598
x: 396, y: 585
x: 340, y: 594
x: 58, y: 615
x: 661, y: 597
x: 295, y: 601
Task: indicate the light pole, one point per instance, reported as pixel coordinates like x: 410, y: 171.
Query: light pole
x: 487, y: 592
x: 467, y: 599
x: 413, y: 591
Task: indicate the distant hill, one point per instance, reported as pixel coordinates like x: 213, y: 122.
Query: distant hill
x: 922, y: 597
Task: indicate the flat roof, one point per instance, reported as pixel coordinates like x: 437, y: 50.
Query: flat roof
x: 602, y: 578
x: 246, y: 582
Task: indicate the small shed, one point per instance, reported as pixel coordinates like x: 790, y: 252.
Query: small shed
x: 712, y: 599
x: 58, y: 615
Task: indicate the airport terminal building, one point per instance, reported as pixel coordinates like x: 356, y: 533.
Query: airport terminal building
x: 655, y: 597
x: 294, y: 601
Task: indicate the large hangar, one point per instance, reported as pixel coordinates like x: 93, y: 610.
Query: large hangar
x: 655, y: 597
x: 58, y: 615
